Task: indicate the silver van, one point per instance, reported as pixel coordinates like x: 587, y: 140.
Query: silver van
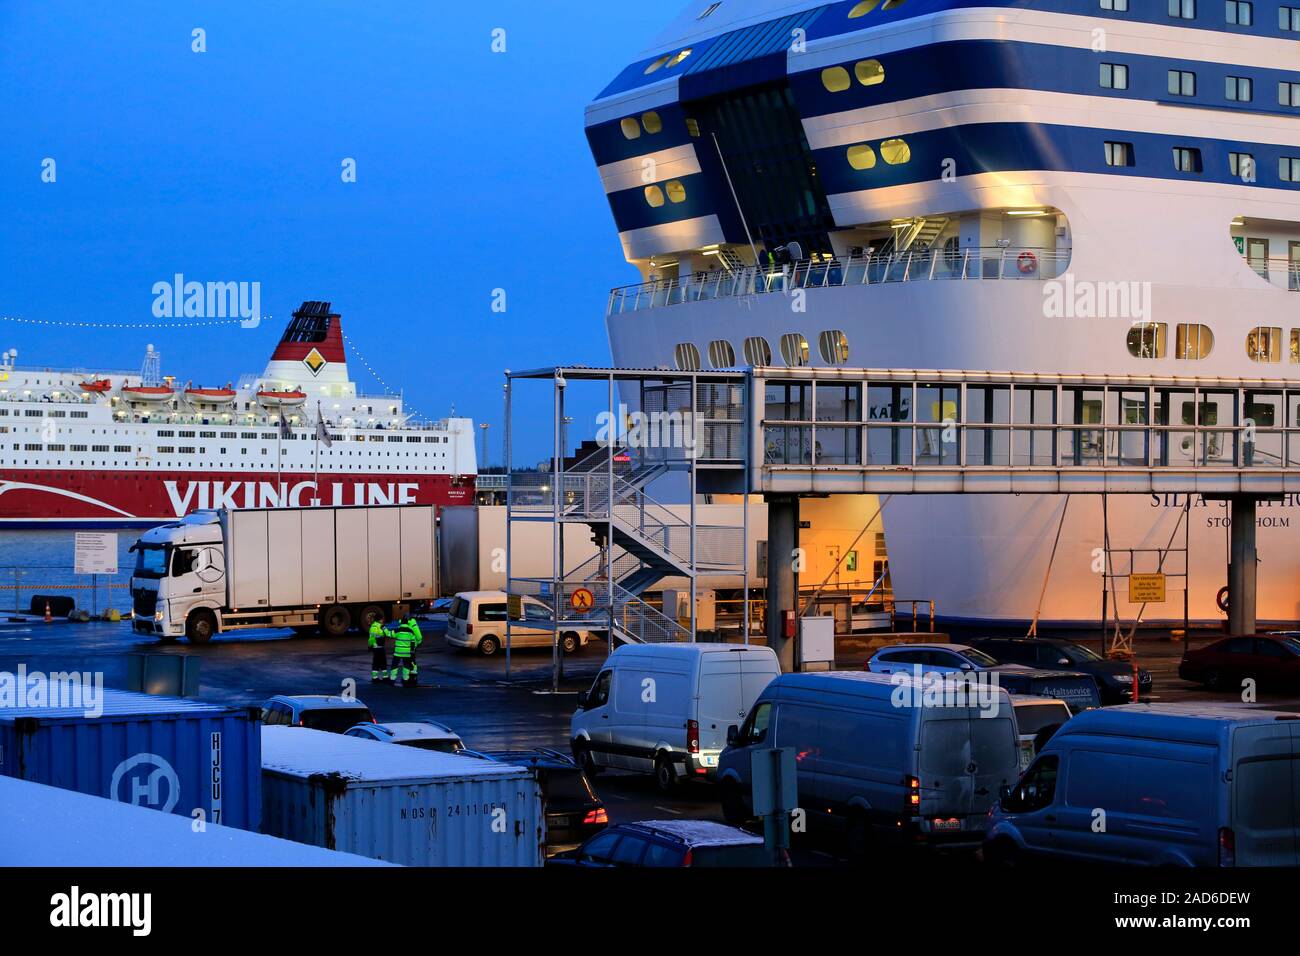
x: 877, y: 758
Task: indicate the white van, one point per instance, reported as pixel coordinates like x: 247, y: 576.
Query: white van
x: 477, y: 620
x: 1159, y: 785
x: 877, y: 762
x: 665, y: 708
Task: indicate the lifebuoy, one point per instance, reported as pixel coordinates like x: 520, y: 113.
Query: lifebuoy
x: 1222, y: 599
x: 1027, y: 263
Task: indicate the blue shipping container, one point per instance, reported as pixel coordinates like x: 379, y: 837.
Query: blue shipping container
x: 168, y: 754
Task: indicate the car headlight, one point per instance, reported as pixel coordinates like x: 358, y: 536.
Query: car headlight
x: 158, y: 615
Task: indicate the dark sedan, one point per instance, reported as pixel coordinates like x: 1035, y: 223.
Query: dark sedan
x: 1272, y: 661
x: 1114, y: 678
x: 573, y: 811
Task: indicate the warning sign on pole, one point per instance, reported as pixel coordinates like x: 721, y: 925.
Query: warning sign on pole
x: 96, y: 552
x: 1146, y: 589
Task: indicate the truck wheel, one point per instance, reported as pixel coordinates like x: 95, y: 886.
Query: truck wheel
x: 369, y: 614
x: 335, y: 621
x: 582, y: 757
x: 665, y: 774
x: 571, y: 643
x: 200, y: 626
x: 489, y: 646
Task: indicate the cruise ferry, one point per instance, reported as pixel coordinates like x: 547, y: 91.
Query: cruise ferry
x: 1073, y: 186
x: 103, y: 449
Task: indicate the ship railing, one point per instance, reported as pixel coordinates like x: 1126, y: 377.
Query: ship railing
x: 918, y: 265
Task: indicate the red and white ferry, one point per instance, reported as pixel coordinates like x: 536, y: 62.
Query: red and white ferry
x: 95, y: 448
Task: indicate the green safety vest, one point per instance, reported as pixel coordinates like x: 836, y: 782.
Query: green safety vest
x: 377, y: 634
x: 403, y: 642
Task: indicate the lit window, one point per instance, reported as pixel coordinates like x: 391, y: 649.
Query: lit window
x: 1238, y: 89
x: 862, y: 157
x: 1295, y: 346
x: 654, y: 196
x: 758, y: 352
x: 863, y: 8
x: 721, y: 354
x: 870, y: 72
x: 688, y: 357
x: 631, y: 128
x: 794, y: 349
x: 836, y: 79
x: 1147, y: 340
x: 834, y: 346
x: 693, y: 127
x: 895, y: 152
x: 658, y: 64
x: 1193, y: 342
x: 1114, y: 76
x: 1119, y: 154
x: 1182, y: 83
x: 1264, y: 344
x: 676, y: 191
x: 710, y: 10
x: 1187, y: 160
x: 652, y: 123
x: 1239, y: 13
x: 679, y: 58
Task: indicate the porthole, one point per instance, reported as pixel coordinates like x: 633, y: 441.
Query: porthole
x: 658, y: 64
x: 892, y: 5
x: 862, y: 157
x: 836, y: 79
x: 721, y: 354
x: 1147, y: 340
x: 654, y: 196
x: 652, y: 122
x: 676, y: 191
x: 834, y: 346
x: 1193, y: 342
x: 870, y: 72
x: 679, y: 58
x: 757, y: 352
x: 1264, y: 344
x: 895, y: 152
x: 863, y: 8
x: 688, y: 357
x: 631, y: 128
x: 794, y: 349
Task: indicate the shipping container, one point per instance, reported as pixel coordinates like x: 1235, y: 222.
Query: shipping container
x: 164, y: 753
x: 46, y: 826
x: 394, y: 803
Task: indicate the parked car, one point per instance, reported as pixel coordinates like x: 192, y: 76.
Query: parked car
x: 1078, y: 690
x: 573, y: 811
x: 669, y: 843
x: 665, y: 709
x: 1273, y: 661
x: 876, y: 762
x: 1159, y: 785
x: 1114, y: 678
x: 422, y: 735
x: 334, y: 715
x: 477, y: 621
x: 1037, y: 721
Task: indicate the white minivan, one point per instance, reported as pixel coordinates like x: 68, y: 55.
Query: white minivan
x: 477, y: 621
x: 665, y: 708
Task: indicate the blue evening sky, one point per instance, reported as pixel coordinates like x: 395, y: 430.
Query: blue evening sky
x: 472, y: 174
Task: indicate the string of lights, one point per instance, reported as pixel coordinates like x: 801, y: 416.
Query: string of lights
x: 62, y: 323
x: 388, y: 389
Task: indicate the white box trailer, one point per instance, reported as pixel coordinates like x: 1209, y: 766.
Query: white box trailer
x: 332, y: 568
x: 399, y: 804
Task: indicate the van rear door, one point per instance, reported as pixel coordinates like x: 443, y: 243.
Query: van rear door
x: 721, y: 703
x: 1266, y: 798
x: 965, y: 759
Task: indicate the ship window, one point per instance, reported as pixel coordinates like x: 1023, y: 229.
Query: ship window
x: 1147, y: 340
x: 679, y: 58
x: 895, y: 151
x: 1119, y: 154
x: 654, y: 195
x: 1264, y: 344
x: 1119, y: 6
x: 1240, y: 13
x: 721, y: 354
x: 870, y: 72
x: 1242, y: 165
x: 863, y: 8
x: 631, y: 128
x: 1182, y: 83
x: 652, y: 122
x: 676, y: 191
x: 892, y: 4
x: 757, y: 351
x: 1114, y: 76
x: 1182, y: 9
x: 834, y: 346
x: 1238, y: 89
x: 688, y: 357
x: 794, y: 349
x: 1187, y: 160
x: 1288, y: 94
x: 710, y: 10
x: 836, y: 79
x: 1288, y: 19
x: 658, y: 64
x: 693, y: 127
x: 1295, y: 347
x: 1288, y: 169
x: 862, y: 157
x: 1193, y: 342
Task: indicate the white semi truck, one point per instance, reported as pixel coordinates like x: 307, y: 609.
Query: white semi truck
x: 330, y: 569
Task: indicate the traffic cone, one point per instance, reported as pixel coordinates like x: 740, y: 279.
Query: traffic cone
x: 49, y: 618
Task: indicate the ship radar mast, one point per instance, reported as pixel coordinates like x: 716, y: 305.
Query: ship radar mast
x: 151, y: 369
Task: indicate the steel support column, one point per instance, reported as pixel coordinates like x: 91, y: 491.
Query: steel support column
x: 1242, y: 568
x: 782, y: 578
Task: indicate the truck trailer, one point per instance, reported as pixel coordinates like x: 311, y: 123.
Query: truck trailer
x: 326, y: 569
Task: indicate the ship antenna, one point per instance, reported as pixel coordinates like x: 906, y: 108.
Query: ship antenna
x: 743, y: 221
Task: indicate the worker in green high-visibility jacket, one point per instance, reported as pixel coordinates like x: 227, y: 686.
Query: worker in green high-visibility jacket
x: 376, y: 640
x: 403, y: 651
x: 411, y: 628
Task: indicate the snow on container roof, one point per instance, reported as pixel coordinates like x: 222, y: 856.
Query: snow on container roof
x: 115, y: 703
x: 299, y: 752
x: 48, y: 826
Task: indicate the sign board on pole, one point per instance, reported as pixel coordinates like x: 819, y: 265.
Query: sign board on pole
x: 816, y: 643
x: 1146, y: 589
x: 96, y: 552
x: 775, y: 784
x: 515, y: 606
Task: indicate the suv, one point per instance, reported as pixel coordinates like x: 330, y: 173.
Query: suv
x: 1114, y: 678
x: 477, y: 620
x: 669, y: 843
x: 316, y: 712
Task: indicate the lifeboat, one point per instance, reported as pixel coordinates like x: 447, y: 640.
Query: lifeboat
x: 217, y: 396
x: 274, y: 399
x: 99, y: 385
x: 148, y: 393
